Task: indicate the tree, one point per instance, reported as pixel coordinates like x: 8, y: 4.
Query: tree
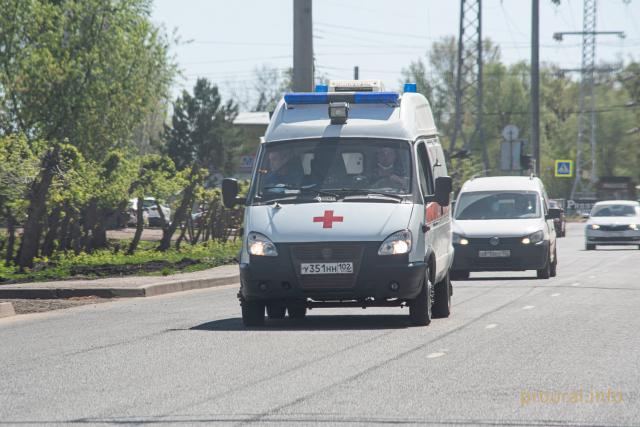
x: 18, y: 170
x: 201, y: 141
x: 83, y: 73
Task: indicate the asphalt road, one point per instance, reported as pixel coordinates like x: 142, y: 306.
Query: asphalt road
x: 515, y: 351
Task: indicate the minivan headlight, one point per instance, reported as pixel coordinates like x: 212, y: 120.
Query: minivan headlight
x: 459, y: 240
x: 396, y: 244
x: 634, y: 227
x: 593, y: 226
x: 260, y: 245
x: 536, y: 237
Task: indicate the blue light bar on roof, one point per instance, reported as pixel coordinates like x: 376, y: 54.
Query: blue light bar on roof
x: 307, y: 98
x: 375, y: 97
x: 351, y: 97
x: 410, y: 88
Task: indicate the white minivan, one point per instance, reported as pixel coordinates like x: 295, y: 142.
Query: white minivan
x: 348, y: 207
x: 504, y: 223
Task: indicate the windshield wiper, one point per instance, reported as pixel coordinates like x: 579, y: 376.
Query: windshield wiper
x: 304, y: 189
x: 350, y: 193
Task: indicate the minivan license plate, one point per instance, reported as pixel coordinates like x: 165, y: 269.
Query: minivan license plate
x: 494, y: 254
x: 326, y: 268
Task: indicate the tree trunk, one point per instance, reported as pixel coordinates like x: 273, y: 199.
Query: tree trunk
x: 30, y: 242
x: 181, y: 212
x: 139, y: 227
x: 88, y: 225
x: 52, y: 232
x: 65, y: 234
x: 183, y: 231
x: 76, y: 234
x: 11, y: 240
x: 99, y: 233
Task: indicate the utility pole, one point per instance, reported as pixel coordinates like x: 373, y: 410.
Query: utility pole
x: 535, y: 83
x: 356, y: 73
x: 587, y: 117
x: 303, y: 78
x: 469, y: 88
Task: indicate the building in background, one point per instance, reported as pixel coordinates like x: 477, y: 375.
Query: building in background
x: 252, y: 125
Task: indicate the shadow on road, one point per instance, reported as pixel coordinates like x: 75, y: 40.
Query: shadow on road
x: 613, y: 249
x: 314, y: 323
x: 480, y: 279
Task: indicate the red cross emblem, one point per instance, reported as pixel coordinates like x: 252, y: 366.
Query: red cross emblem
x: 328, y: 219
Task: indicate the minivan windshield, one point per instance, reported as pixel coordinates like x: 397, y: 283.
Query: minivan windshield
x: 498, y: 205
x: 332, y: 168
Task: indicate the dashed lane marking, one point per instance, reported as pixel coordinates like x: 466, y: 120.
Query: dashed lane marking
x: 555, y: 295
x: 434, y: 355
x: 575, y: 284
x: 491, y: 326
x: 528, y: 307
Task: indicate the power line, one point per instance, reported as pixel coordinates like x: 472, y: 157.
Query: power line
x: 364, y: 30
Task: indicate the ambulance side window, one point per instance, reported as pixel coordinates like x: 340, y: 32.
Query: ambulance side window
x: 438, y: 160
x: 424, y: 170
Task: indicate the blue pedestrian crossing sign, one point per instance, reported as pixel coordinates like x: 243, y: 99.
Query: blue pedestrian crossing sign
x: 564, y: 168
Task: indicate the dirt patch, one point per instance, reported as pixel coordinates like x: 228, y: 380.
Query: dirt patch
x: 24, y: 306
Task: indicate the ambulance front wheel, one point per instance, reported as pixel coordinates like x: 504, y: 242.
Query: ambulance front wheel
x: 275, y: 311
x: 252, y: 313
x: 297, y: 312
x: 442, y: 298
x: 420, y: 306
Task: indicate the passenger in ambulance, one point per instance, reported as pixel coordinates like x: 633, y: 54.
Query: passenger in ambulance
x: 284, y: 170
x: 389, y: 170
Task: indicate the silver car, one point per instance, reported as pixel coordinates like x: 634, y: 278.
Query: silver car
x: 613, y: 222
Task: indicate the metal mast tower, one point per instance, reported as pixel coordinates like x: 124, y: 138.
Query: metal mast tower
x: 469, y: 79
x: 587, y: 117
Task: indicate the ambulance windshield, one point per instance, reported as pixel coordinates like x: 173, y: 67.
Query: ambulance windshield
x: 343, y: 167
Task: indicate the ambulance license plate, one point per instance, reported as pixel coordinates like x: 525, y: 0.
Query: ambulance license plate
x: 326, y: 268
x: 494, y: 254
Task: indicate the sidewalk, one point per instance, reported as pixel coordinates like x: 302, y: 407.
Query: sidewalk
x: 129, y: 286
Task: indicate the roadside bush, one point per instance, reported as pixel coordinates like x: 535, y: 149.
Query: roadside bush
x: 146, y: 260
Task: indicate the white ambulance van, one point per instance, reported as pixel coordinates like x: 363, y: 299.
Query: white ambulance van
x: 348, y: 207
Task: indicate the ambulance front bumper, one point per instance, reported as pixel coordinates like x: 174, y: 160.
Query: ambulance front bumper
x: 374, y: 276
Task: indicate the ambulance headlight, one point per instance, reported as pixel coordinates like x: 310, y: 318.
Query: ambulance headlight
x: 260, y: 245
x: 396, y: 244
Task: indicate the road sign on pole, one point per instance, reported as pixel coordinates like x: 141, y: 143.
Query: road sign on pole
x: 564, y: 169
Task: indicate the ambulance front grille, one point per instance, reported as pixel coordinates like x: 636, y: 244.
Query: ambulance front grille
x: 326, y: 253
x: 323, y: 252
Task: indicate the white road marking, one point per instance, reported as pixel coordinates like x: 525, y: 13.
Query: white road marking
x: 575, y: 284
x: 555, y: 295
x: 434, y: 355
x: 528, y: 307
x: 592, y: 277
x: 491, y: 325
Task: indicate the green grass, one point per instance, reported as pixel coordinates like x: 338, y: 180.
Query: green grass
x: 106, y: 263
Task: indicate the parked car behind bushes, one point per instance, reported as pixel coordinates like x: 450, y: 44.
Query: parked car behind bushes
x: 150, y: 212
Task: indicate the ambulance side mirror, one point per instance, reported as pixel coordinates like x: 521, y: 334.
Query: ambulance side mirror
x: 230, y: 193
x: 554, y: 213
x: 444, y: 185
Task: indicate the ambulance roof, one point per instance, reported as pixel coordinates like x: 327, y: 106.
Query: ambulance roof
x: 407, y: 118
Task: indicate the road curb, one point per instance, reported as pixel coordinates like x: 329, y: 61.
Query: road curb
x: 118, y: 292
x: 6, y: 309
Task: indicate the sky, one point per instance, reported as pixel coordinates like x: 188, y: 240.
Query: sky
x: 226, y: 40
